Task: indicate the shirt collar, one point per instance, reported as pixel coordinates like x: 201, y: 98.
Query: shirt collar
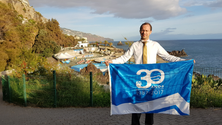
x: 145, y: 40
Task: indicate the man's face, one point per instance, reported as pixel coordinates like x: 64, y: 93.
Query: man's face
x: 145, y: 32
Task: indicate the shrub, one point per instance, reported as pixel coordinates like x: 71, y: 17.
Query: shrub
x: 206, y: 92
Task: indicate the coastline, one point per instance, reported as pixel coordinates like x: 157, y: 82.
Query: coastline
x: 98, y: 56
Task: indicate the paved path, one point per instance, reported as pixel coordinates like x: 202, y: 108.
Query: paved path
x: 11, y: 114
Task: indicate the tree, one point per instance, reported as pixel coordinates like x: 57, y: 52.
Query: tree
x: 28, y: 62
x: 44, y: 45
x: 3, y: 60
x: 110, y: 44
x: 106, y: 42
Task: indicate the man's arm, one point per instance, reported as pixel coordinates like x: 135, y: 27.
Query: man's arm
x: 124, y: 58
x: 166, y: 56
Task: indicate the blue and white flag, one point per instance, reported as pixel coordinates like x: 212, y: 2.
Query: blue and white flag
x: 151, y: 88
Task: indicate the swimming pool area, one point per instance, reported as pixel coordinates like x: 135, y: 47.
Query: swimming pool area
x: 101, y: 66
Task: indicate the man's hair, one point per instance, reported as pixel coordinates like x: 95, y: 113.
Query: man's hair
x: 146, y: 24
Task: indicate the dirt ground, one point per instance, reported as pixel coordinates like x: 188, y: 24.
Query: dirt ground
x: 52, y: 60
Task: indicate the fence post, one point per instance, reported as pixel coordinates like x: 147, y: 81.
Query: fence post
x: 54, y: 84
x: 3, y: 88
x: 24, y: 90
x: 91, y: 90
x: 9, y: 90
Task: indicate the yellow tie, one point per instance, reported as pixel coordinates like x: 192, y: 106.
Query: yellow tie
x: 144, y: 53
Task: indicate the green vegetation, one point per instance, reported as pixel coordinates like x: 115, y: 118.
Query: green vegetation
x: 24, y: 48
x: 129, y: 43
x: 75, y: 91
x: 24, y: 9
x: 71, y: 91
x: 39, y: 14
x: 106, y: 42
x: 41, y: 39
x: 206, y: 92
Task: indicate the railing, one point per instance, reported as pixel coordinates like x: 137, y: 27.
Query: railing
x: 206, y: 87
x: 215, y: 72
x: 65, y: 90
x: 61, y: 90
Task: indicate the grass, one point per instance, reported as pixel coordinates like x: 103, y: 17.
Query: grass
x: 206, y: 92
x: 74, y: 91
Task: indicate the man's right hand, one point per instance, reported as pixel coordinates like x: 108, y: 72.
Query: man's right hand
x: 108, y: 61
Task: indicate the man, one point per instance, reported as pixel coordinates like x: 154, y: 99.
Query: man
x: 144, y: 52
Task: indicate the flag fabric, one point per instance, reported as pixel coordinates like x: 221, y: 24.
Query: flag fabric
x: 151, y: 88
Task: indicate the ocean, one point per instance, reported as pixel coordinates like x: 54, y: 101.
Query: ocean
x: 206, y: 52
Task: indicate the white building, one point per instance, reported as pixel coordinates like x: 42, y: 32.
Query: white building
x: 85, y: 39
x: 82, y: 44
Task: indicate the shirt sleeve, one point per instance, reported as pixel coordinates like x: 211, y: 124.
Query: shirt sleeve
x: 125, y: 57
x: 166, y: 56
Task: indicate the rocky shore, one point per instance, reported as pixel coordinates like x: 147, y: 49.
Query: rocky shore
x: 120, y: 43
x: 178, y: 53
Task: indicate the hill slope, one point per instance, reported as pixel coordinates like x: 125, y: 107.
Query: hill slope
x: 90, y: 37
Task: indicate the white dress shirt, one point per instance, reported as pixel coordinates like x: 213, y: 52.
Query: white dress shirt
x: 153, y: 48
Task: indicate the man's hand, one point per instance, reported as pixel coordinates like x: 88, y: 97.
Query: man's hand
x: 108, y: 61
x: 193, y: 60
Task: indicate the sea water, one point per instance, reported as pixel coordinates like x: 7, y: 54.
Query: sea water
x: 206, y: 52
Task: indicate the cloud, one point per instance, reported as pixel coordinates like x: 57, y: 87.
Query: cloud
x: 217, y: 3
x: 149, y: 21
x: 136, y: 9
x: 207, y: 3
x: 189, y: 3
x: 167, y: 31
x: 166, y: 35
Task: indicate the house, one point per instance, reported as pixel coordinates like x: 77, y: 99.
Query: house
x: 81, y: 44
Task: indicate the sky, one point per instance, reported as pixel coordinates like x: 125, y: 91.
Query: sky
x: 119, y: 19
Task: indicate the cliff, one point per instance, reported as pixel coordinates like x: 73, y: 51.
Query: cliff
x: 90, y: 37
x: 28, y: 12
x: 23, y: 8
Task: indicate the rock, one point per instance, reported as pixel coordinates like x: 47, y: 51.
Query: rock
x: 23, y: 8
x: 196, y: 74
x: 97, y: 73
x: 90, y: 68
x: 119, y: 43
x: 178, y: 53
x: 215, y: 78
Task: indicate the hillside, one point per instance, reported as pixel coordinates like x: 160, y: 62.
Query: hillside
x: 27, y: 38
x: 90, y: 37
x: 23, y: 8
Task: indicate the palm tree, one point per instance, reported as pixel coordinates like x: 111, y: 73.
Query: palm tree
x: 110, y: 44
x: 106, y: 42
x: 130, y: 43
x: 97, y: 43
